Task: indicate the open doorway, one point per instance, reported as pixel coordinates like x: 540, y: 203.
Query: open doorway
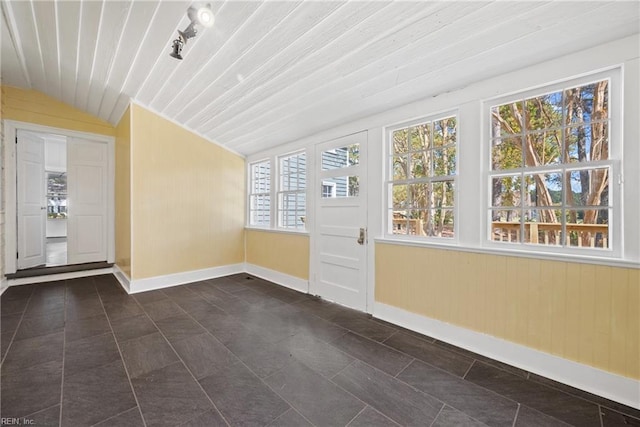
x: 61, y: 200
x: 56, y: 234
x: 55, y: 166
x: 87, y: 209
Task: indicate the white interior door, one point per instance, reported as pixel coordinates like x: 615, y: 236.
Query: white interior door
x: 340, y: 226
x: 32, y: 207
x: 86, y: 201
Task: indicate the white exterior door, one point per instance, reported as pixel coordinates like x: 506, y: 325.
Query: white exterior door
x: 87, y: 224
x: 340, y: 247
x: 32, y: 207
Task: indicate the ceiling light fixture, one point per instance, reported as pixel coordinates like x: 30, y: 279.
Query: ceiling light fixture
x: 201, y: 16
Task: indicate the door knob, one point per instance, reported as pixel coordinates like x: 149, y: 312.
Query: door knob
x: 362, y: 235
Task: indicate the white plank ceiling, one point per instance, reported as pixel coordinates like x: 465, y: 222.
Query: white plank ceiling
x: 274, y: 71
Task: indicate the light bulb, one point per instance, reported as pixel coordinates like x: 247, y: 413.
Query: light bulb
x: 205, y: 17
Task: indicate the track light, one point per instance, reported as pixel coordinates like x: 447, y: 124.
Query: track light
x: 201, y: 16
x: 205, y: 17
x: 177, y: 49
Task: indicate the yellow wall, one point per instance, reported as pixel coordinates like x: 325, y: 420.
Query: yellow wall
x: 284, y: 252
x: 188, y: 198
x: 582, y: 312
x: 123, y: 194
x: 31, y: 106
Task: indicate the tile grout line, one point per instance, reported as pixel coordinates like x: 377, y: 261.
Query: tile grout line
x: 124, y: 365
x: 515, y: 417
x: 262, y: 380
x: 179, y: 357
x: 290, y: 409
x: 31, y: 296
x: 64, y: 350
x: 28, y: 416
x: 342, y: 388
x: 464, y: 377
x: 413, y: 359
x: 362, y: 361
x: 516, y: 401
x: 577, y: 396
x: 111, y: 417
x: 278, y: 394
x: 384, y: 373
x: 356, y: 416
x: 330, y: 320
x: 24, y: 311
x: 438, y: 414
x: 600, y: 416
x: 389, y: 337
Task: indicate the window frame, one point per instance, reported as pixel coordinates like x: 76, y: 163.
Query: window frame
x: 614, y: 163
x: 279, y: 191
x: 250, y: 193
x: 389, y: 182
x: 332, y: 187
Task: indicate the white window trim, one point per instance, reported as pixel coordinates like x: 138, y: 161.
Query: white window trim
x: 616, y: 143
x: 273, y: 159
x: 278, y: 191
x: 250, y: 193
x: 388, y: 161
x: 333, y: 188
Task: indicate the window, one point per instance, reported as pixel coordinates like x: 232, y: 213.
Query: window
x: 421, y: 178
x: 341, y: 158
x: 292, y: 186
x: 328, y: 189
x: 259, y: 194
x: 551, y: 168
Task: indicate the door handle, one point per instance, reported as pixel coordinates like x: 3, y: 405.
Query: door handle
x: 43, y: 208
x: 362, y: 236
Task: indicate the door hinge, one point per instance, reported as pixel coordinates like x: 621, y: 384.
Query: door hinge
x: 16, y: 139
x: 17, y: 255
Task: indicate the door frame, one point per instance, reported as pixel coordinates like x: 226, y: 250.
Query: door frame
x: 312, y: 210
x: 10, y: 176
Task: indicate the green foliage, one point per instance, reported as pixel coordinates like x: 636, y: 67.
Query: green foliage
x: 563, y: 127
x: 422, y: 154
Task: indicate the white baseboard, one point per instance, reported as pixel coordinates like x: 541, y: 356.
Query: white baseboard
x: 291, y: 282
x: 122, y: 278
x: 59, y: 276
x: 3, y: 285
x: 160, y: 282
x: 611, y: 386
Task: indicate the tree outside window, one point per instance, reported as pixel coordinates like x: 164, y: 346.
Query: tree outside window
x: 422, y: 178
x: 550, y: 168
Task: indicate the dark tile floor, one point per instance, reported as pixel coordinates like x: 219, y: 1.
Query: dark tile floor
x: 243, y: 351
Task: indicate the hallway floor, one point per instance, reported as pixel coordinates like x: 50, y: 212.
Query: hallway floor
x: 56, y: 251
x: 242, y: 351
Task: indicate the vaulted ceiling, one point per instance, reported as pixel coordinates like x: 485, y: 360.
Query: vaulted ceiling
x: 270, y: 72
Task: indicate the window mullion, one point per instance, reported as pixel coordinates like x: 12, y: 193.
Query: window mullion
x: 565, y: 144
x: 415, y: 202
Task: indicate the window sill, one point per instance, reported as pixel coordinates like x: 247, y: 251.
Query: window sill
x: 278, y: 230
x: 454, y: 246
